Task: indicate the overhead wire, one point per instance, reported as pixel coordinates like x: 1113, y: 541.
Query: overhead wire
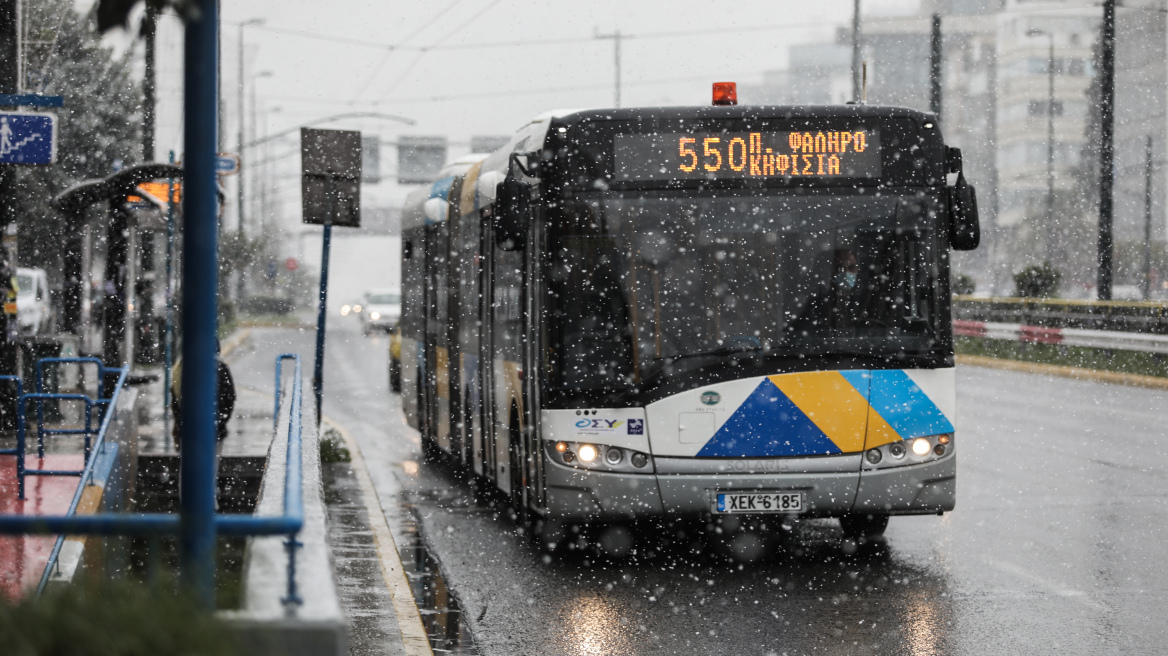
x: 380, y: 45
x: 377, y: 69
x: 393, y: 85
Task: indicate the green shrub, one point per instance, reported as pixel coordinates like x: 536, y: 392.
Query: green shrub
x: 962, y: 284
x: 1037, y: 281
x: 332, y: 447
x: 113, y: 618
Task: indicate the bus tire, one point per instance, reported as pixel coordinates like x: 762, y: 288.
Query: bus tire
x: 395, y: 376
x: 863, y: 526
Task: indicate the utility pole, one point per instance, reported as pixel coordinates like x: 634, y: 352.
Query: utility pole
x: 616, y: 51
x: 935, y: 68
x: 1106, y: 148
x: 144, y: 285
x: 240, y: 132
x: 1050, y: 227
x: 856, y: 55
x: 1148, y: 220
x: 150, y: 27
x: 9, y: 83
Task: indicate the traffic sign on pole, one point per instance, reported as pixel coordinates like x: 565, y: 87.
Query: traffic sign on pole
x: 27, y: 138
x: 227, y: 164
x: 291, y: 264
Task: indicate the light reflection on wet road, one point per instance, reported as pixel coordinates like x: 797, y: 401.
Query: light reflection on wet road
x: 1056, y: 545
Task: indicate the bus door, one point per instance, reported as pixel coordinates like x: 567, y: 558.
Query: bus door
x: 468, y: 392
x: 452, y: 400
x: 490, y: 423
x: 534, y: 305
x: 436, y: 390
x: 507, y: 368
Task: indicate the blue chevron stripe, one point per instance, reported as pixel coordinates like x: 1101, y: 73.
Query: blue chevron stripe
x: 767, y: 424
x: 906, y: 407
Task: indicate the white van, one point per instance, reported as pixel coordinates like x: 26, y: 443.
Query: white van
x: 34, y: 310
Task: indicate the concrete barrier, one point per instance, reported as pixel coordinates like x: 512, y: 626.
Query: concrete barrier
x: 268, y: 625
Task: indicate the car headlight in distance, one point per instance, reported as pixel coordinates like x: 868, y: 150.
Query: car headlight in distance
x: 921, y: 446
x: 345, y: 309
x: 375, y: 315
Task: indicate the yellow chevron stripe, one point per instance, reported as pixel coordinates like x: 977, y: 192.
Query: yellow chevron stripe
x: 831, y: 403
x: 879, y: 431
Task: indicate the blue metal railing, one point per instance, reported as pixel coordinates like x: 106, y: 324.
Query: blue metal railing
x: 289, y: 524
x: 39, y: 398
x: 86, y: 474
x: 19, y: 452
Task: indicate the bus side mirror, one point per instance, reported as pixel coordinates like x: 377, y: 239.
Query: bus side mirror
x: 512, y: 208
x: 964, y: 225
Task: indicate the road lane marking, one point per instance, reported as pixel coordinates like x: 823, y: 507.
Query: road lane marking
x: 1054, y: 588
x: 233, y: 341
x: 409, y: 621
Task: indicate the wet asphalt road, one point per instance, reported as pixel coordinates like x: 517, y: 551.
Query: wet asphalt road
x: 1058, y: 544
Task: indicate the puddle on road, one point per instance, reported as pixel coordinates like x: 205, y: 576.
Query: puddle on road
x: 441, y: 614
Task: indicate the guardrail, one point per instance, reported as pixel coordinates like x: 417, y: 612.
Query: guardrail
x: 1119, y: 316
x: 146, y: 524
x: 1102, y: 339
x: 86, y: 473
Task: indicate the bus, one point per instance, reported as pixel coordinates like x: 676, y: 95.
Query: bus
x: 697, y: 311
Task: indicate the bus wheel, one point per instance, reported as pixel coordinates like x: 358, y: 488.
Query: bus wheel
x: 394, y: 376
x: 861, y: 526
x: 431, y: 453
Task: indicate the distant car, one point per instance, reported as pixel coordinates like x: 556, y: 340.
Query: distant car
x: 1127, y: 293
x: 34, y: 309
x: 380, y: 310
x: 395, y: 359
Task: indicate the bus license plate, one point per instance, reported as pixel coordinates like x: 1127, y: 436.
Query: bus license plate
x: 760, y: 502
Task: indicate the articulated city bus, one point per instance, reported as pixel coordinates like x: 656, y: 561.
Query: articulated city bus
x: 694, y: 311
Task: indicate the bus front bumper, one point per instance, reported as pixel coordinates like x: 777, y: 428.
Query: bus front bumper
x: 684, y: 487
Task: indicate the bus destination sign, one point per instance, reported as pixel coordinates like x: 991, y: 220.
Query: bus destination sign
x: 748, y: 155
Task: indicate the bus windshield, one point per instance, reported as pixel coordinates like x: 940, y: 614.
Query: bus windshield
x: 646, y: 288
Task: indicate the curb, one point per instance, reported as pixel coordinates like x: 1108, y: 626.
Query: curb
x: 233, y: 341
x: 415, y: 642
x: 1062, y: 371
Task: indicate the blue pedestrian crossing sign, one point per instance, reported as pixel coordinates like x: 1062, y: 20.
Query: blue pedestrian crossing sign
x: 27, y: 138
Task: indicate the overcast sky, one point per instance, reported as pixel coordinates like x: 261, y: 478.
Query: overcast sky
x: 327, y: 58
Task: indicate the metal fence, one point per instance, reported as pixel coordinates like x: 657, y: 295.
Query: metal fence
x: 1118, y: 316
x: 288, y: 524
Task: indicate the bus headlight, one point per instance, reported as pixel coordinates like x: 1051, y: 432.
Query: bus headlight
x: 587, y: 453
x: 921, y: 446
x: 913, y: 451
x: 599, y: 457
x: 613, y: 455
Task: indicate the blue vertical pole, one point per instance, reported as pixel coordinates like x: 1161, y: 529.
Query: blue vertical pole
x: 318, y: 369
x: 200, y: 302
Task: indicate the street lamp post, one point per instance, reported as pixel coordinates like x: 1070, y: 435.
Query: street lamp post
x: 1050, y: 228
x: 255, y: 133
x: 240, y: 142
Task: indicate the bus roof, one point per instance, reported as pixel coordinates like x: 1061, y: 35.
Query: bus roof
x: 744, y: 111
